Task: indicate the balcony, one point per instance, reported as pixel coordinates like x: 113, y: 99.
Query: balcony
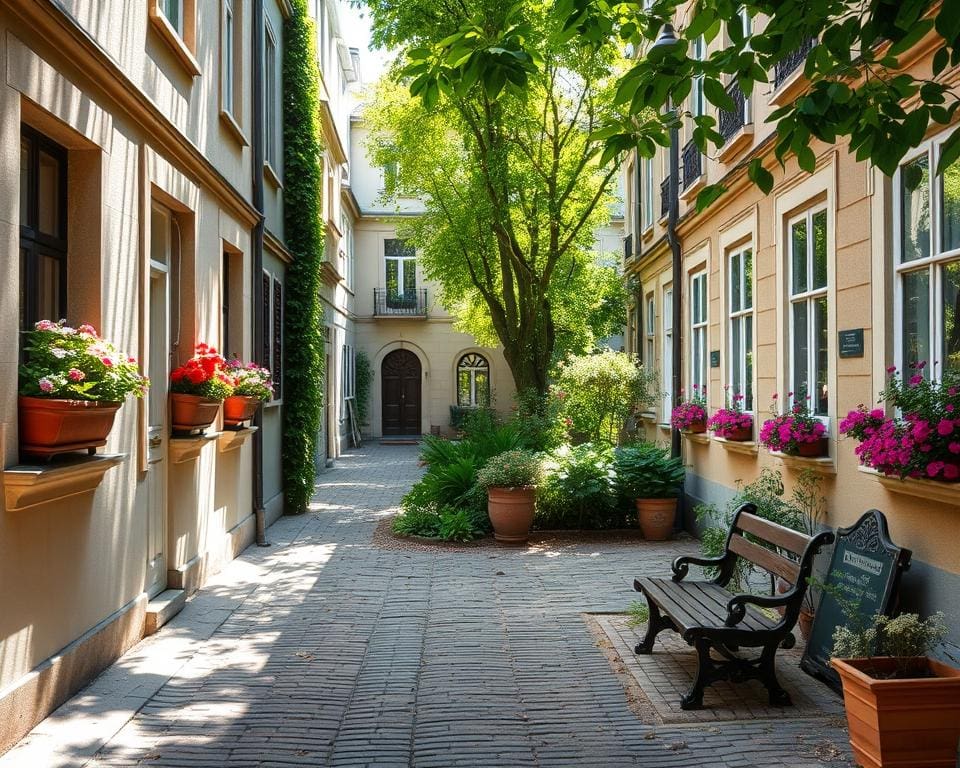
x: 691, y: 161
x: 388, y: 303
x: 664, y: 197
x: 735, y: 127
x: 628, y: 248
x: 784, y: 68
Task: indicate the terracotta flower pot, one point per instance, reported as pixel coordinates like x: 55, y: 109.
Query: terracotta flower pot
x: 901, y: 723
x: 192, y: 413
x: 50, y: 426
x: 238, y: 409
x: 656, y: 517
x: 697, y: 427
x: 511, y: 513
x: 805, y: 622
x: 739, y: 435
x: 813, y: 450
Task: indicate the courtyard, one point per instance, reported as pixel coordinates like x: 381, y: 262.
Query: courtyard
x: 338, y: 645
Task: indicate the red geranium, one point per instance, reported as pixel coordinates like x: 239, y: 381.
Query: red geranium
x: 205, y: 374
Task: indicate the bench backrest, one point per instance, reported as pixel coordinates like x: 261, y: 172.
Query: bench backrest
x: 773, y: 533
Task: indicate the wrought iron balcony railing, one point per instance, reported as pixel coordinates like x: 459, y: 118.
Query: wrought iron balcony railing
x: 628, y: 247
x: 732, y: 122
x: 692, y: 162
x: 791, y: 62
x: 665, y: 196
x: 388, y: 303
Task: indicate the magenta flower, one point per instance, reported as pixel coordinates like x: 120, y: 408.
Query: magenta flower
x: 45, y: 385
x: 76, y: 375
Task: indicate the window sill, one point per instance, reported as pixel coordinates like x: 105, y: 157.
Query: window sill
x: 737, y: 142
x: 696, y: 437
x: 175, y: 43
x: 823, y: 465
x: 789, y: 89
x: 271, y: 175
x: 747, y: 447
x: 928, y: 490
x: 26, y: 486
x: 647, y: 233
x: 233, y: 128
x: 648, y: 416
x: 231, y: 439
x: 690, y: 191
x: 184, y: 449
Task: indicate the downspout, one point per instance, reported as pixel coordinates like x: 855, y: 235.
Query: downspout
x: 672, y: 217
x: 638, y: 235
x: 258, y: 330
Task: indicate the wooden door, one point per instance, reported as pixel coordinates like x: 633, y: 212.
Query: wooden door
x: 400, y: 376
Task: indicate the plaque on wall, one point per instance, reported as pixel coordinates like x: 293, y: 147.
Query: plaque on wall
x: 715, y: 358
x: 850, y: 343
x: 865, y: 570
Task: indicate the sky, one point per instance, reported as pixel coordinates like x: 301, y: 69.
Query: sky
x: 355, y: 28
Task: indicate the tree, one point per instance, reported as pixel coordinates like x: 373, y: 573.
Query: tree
x: 491, y: 119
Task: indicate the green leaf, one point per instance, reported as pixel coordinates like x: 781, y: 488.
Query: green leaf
x: 708, y: 195
x: 949, y: 152
x: 760, y: 176
x: 807, y: 160
x: 717, y: 96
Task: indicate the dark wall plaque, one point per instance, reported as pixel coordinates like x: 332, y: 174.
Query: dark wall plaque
x: 850, y: 343
x: 715, y: 358
x: 865, y: 570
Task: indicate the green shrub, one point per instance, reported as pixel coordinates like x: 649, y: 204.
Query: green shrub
x: 511, y: 469
x: 578, y: 489
x: 538, y: 421
x: 646, y: 471
x: 458, y: 525
x: 364, y: 376
x: 417, y: 521
x: 460, y: 416
x: 599, y: 391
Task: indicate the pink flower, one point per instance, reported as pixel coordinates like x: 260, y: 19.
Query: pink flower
x: 45, y: 385
x: 892, y: 369
x: 945, y: 427
x: 76, y: 375
x: 88, y: 329
x: 915, y: 379
x: 934, y: 468
x: 46, y: 325
x: 107, y: 361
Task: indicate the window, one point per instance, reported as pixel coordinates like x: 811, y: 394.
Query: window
x: 172, y: 10
x: 809, y: 364
x: 697, y: 101
x: 43, y: 229
x: 391, y: 173
x: 231, y: 52
x: 348, y: 386
x: 647, y: 192
x: 271, y: 92
x: 927, y: 260
x: 272, y: 313
x: 651, y: 324
x: 740, y: 273
x: 667, y: 355
x: 698, y: 331
x: 473, y: 381
x: 225, y: 291
x: 400, y: 259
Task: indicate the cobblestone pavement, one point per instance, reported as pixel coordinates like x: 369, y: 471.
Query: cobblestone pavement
x: 324, y: 650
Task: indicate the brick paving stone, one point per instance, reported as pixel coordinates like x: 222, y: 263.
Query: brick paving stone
x: 327, y: 650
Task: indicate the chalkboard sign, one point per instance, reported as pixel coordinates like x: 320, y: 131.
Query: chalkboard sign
x: 850, y: 343
x: 865, y: 570
x: 714, y: 358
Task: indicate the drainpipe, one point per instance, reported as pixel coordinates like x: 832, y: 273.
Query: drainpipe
x: 258, y: 330
x: 672, y: 216
x: 638, y: 236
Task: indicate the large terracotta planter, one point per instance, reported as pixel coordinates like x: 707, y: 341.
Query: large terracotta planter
x: 656, y: 517
x: 511, y: 513
x: 238, y: 409
x: 192, y: 413
x: 901, y: 723
x: 813, y: 450
x: 50, y: 426
x: 739, y: 435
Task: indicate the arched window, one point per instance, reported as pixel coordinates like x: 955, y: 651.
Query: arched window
x: 473, y: 381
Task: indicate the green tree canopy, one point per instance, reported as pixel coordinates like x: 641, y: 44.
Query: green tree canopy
x: 490, y: 118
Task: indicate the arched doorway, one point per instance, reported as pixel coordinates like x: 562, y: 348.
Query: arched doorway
x: 400, y: 375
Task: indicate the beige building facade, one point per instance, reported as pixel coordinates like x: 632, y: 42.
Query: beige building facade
x: 768, y: 283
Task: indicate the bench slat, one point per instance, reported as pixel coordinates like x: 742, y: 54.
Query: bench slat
x: 656, y: 592
x: 753, y: 619
x: 781, y: 536
x: 765, y: 558
x: 699, y: 604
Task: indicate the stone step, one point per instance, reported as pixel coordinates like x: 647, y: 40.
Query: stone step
x: 162, y: 608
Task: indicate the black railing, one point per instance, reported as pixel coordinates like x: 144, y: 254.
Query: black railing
x: 692, y: 162
x: 665, y: 196
x: 789, y: 64
x: 732, y: 122
x: 387, y: 303
x: 628, y: 247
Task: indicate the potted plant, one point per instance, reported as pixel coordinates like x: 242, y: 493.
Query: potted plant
x: 647, y: 474
x: 510, y: 480
x: 71, y: 387
x: 796, y: 432
x: 691, y: 415
x: 923, y: 439
x: 252, y: 385
x: 903, y: 708
x: 196, y: 390
x: 730, y: 422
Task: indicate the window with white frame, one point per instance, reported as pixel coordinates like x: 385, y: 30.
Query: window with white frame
x: 473, y: 381
x: 272, y: 311
x: 697, y: 101
x: 400, y: 263
x: 650, y: 320
x: 172, y: 11
x: 698, y: 331
x: 348, y: 376
x: 271, y: 95
x: 666, y: 356
x: 231, y: 52
x: 809, y: 332
x: 927, y: 261
x: 647, y: 192
x: 740, y: 360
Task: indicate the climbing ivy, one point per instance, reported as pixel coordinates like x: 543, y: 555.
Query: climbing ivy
x: 364, y: 380
x: 303, y: 204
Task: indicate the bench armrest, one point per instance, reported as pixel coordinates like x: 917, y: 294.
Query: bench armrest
x: 681, y: 565
x: 737, y: 605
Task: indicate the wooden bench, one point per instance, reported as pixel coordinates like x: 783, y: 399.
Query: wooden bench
x: 710, y: 617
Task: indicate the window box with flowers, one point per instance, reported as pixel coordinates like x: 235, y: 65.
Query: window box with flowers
x: 691, y: 415
x: 797, y: 432
x: 71, y: 388
x: 252, y: 385
x: 730, y: 422
x: 196, y: 390
x: 923, y: 440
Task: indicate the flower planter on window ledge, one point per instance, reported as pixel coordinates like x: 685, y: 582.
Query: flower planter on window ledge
x: 239, y: 408
x: 190, y: 414
x: 50, y: 426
